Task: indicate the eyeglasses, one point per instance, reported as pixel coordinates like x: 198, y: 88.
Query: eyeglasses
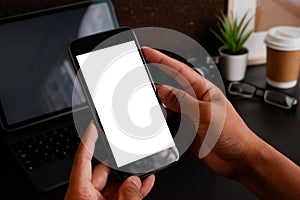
x: 274, y: 98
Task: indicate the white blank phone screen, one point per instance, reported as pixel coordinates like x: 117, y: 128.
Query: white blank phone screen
x: 113, y: 72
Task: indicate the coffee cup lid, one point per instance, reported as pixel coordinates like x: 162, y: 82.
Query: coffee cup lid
x: 286, y: 38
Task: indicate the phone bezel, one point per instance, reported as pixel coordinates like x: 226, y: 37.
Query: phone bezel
x: 88, y: 44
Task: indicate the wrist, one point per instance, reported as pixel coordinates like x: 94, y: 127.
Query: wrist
x: 253, y: 153
x: 250, y: 171
x: 266, y: 172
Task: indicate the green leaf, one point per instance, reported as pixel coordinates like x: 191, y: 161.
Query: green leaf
x: 245, y: 38
x: 232, y: 32
x: 242, y: 21
x: 225, y: 35
x: 218, y: 36
x: 235, y: 30
x: 244, y: 27
x: 226, y: 24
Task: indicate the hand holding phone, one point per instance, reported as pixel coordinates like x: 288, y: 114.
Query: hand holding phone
x: 121, y: 95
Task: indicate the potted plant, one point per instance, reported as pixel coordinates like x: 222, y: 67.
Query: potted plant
x: 233, y: 55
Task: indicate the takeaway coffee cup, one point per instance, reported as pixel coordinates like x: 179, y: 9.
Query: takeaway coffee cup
x: 283, y: 56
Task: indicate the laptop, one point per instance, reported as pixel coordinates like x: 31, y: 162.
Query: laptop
x: 37, y: 93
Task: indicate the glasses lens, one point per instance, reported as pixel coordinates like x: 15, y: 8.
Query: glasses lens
x: 241, y: 89
x: 280, y: 99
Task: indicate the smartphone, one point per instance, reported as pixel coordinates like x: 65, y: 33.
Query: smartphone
x: 112, y: 72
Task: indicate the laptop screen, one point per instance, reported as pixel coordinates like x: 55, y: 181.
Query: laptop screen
x: 36, y: 73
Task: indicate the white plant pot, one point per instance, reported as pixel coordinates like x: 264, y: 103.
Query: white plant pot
x: 233, y: 67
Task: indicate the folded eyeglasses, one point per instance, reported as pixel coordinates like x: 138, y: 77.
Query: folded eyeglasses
x: 274, y: 98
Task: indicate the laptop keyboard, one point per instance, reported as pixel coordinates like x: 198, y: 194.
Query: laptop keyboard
x: 47, y: 147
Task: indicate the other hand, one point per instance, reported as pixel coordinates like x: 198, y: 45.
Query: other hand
x: 87, y: 183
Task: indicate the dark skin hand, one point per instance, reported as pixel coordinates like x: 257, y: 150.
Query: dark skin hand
x: 230, y: 147
x: 238, y: 154
x: 87, y: 183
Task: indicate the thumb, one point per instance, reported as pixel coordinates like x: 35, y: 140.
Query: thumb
x: 178, y: 100
x: 130, y: 189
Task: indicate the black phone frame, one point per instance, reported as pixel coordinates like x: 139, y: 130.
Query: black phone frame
x: 91, y: 43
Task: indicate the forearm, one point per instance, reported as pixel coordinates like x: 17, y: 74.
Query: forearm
x: 268, y: 173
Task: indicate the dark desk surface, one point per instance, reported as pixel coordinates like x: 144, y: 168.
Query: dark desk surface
x: 279, y: 127
x: 190, y: 179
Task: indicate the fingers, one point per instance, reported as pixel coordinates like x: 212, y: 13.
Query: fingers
x: 147, y: 185
x: 100, y: 176
x: 177, y: 100
x: 134, y: 189
x: 192, y: 80
x: 87, y: 145
x: 82, y: 168
x: 130, y: 189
